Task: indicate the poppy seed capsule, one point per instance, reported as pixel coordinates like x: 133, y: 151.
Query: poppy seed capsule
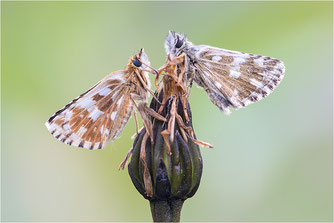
x: 172, y: 178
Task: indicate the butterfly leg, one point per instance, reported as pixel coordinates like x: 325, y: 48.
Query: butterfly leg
x: 157, y: 75
x: 164, y: 100
x: 179, y: 71
x: 184, y: 101
x: 146, y: 87
x: 190, y: 132
x: 173, y: 83
x: 201, y: 143
x: 125, y: 161
x: 185, y: 92
x: 181, y: 80
x: 172, y: 62
x: 146, y: 119
x: 155, y: 114
x: 159, y: 71
x: 166, y: 92
x: 137, y: 125
x: 145, y: 113
x: 182, y: 127
x: 165, y: 66
x: 156, y: 83
x: 178, y: 60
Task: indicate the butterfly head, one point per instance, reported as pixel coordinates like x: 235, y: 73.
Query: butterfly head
x: 142, y: 65
x: 175, y: 43
x: 140, y: 60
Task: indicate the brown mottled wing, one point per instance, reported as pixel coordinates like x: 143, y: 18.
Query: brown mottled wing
x: 235, y: 79
x: 95, y: 117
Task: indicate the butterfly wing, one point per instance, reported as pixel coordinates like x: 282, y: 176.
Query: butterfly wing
x: 96, y: 116
x: 235, y: 79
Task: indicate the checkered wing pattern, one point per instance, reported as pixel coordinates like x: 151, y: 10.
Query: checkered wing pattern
x: 230, y: 78
x: 235, y: 79
x: 96, y: 116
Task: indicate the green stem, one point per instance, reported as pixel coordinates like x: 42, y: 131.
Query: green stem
x: 166, y: 211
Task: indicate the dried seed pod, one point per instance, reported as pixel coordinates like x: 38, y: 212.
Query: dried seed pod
x: 165, y: 179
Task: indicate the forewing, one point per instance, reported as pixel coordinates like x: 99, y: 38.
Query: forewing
x: 96, y: 116
x: 235, y: 79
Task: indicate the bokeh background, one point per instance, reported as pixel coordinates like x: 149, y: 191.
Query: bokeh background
x: 272, y: 161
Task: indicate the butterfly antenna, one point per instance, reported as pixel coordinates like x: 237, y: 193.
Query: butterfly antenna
x: 157, y: 75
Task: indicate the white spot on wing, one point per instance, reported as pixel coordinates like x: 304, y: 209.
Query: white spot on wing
x: 113, y: 115
x: 75, y: 143
x: 82, y: 130
x: 246, y: 101
x: 227, y: 111
x: 234, y: 74
x: 67, y: 127
x: 267, y: 90
x: 68, y: 115
x: 47, y: 125
x: 95, y: 114
x: 259, y: 62
x: 105, y: 92
x: 61, y: 137
x: 238, y: 60
x: 68, y: 140
x: 103, y: 144
x: 235, y: 103
x: 216, y: 58
x: 218, y: 85
x: 208, y: 65
x: 76, y: 138
x: 256, y: 83
x: 92, y: 108
x: 87, y: 145
x: 281, y: 66
x: 56, y: 133
x: 87, y: 103
x: 50, y: 127
x: 115, y: 76
x: 96, y: 145
x: 120, y: 100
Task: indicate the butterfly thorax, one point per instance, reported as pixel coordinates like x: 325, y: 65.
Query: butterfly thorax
x: 136, y: 79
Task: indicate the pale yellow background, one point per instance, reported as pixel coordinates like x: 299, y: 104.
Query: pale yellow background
x: 272, y: 161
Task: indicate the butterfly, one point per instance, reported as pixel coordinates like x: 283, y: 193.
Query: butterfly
x: 230, y: 78
x: 99, y: 115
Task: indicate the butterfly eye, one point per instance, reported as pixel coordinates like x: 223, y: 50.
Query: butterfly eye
x: 179, y: 43
x: 137, y: 63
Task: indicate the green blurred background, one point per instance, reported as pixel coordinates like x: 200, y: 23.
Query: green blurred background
x: 272, y: 161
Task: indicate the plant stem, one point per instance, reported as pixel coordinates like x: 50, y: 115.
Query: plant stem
x: 166, y: 211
